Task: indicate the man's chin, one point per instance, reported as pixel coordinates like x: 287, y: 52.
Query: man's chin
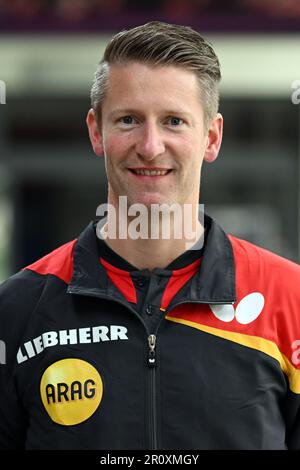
x: 125, y: 202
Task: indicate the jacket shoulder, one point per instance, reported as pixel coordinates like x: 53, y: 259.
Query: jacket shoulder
x: 260, y: 261
x: 20, y: 293
x: 59, y: 262
x: 22, y: 285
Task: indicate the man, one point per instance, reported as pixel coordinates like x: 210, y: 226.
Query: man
x: 153, y: 342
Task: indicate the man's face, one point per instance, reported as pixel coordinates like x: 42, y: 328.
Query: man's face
x: 152, y: 120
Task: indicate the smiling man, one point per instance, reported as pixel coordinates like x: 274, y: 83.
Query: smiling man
x: 127, y: 342
x: 154, y: 145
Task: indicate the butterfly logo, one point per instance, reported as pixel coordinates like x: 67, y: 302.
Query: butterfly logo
x: 246, y: 311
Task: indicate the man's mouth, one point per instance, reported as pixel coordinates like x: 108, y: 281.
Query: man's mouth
x: 143, y: 172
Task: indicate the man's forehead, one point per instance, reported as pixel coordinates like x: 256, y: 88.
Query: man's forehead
x: 134, y: 77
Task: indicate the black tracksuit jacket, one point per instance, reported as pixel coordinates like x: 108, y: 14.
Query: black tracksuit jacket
x: 206, y: 358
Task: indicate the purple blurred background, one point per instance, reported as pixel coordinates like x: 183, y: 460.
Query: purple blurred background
x: 109, y: 15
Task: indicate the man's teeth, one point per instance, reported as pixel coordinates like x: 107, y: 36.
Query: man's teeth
x: 151, y: 172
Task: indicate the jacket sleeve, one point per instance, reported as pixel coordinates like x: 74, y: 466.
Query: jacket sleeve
x: 18, y: 297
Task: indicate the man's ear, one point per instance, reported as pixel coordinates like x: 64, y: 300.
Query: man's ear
x: 214, y: 138
x: 94, y: 133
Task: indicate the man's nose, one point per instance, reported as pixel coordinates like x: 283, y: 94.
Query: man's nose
x: 150, y: 143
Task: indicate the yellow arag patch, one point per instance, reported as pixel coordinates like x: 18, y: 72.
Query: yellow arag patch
x: 255, y: 342
x: 71, y: 391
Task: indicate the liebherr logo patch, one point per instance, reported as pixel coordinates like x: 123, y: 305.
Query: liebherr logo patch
x: 95, y: 334
x: 71, y: 391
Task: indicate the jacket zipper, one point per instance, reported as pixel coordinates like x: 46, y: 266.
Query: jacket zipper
x: 152, y: 414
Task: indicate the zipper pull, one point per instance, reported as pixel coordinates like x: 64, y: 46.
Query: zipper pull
x: 151, y: 356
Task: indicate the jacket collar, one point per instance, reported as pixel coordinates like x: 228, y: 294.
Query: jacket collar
x: 213, y: 283
x: 215, y: 280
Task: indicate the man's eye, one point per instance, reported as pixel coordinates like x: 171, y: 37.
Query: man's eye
x: 127, y: 120
x: 175, y: 121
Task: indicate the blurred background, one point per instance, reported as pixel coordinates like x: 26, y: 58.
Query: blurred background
x: 50, y: 181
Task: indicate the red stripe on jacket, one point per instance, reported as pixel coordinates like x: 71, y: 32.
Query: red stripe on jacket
x: 59, y: 263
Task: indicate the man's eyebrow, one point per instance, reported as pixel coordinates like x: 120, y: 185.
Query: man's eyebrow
x: 177, y: 111
x: 129, y: 111
x: 122, y: 111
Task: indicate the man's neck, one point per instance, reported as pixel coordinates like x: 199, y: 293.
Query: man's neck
x: 153, y: 253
